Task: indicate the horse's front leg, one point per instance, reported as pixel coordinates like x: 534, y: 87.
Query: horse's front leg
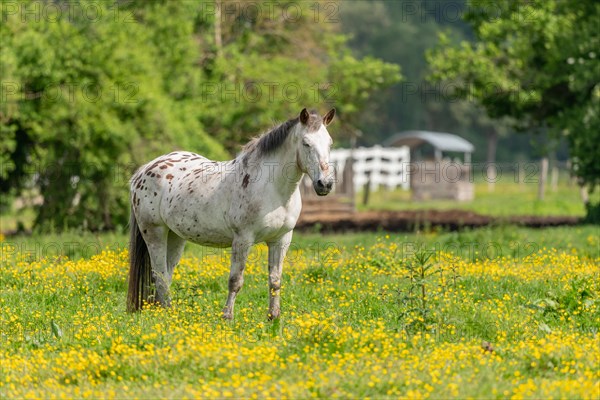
x: 239, y: 253
x: 277, y: 251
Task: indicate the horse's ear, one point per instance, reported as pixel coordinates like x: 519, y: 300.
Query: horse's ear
x: 304, y: 116
x: 329, y: 117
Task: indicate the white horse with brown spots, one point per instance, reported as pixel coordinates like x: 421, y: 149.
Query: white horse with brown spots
x: 254, y: 198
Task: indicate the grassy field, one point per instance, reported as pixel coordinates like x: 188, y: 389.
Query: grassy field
x: 507, y: 199
x: 496, y: 312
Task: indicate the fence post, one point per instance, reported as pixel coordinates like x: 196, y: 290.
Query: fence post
x: 521, y: 176
x: 348, y: 177
x: 554, y: 178
x: 491, y: 184
x: 366, y: 190
x: 543, y: 178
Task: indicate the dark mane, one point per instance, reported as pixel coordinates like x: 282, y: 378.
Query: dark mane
x: 273, y: 139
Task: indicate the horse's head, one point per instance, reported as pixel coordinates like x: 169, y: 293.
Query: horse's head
x: 313, y: 150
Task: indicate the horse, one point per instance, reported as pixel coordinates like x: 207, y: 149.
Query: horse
x: 254, y: 198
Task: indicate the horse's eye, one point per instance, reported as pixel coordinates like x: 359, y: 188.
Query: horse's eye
x: 305, y: 144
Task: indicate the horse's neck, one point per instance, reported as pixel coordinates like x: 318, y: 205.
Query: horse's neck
x: 285, y: 172
x: 279, y: 168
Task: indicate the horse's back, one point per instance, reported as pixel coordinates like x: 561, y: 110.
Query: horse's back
x: 184, y: 192
x: 152, y: 180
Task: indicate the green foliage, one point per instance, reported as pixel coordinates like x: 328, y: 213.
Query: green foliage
x: 536, y: 63
x: 84, y: 113
x: 271, y: 66
x: 415, y: 299
x: 86, y: 98
x: 400, y: 32
x: 359, y: 77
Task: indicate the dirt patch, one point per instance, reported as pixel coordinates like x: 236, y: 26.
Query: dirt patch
x: 410, y: 221
x: 422, y: 219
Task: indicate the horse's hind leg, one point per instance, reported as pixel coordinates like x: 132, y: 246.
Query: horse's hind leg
x: 156, y: 240
x: 175, y: 246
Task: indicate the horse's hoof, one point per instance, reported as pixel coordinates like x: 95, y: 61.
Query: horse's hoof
x: 227, y: 315
x: 273, y: 315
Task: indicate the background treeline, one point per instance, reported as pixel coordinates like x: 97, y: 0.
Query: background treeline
x: 402, y: 32
x: 93, y: 89
x: 520, y: 79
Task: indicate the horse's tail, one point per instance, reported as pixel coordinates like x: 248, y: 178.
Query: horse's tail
x: 140, y: 271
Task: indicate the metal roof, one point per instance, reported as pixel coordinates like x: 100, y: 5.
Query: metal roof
x: 439, y: 140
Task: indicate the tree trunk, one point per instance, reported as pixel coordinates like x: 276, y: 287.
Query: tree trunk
x: 218, y: 34
x: 585, y: 196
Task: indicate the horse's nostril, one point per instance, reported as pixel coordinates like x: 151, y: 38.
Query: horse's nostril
x: 323, y: 185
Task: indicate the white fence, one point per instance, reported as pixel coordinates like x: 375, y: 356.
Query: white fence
x: 382, y: 166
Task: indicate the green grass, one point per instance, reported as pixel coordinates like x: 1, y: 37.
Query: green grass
x: 507, y: 199
x: 75, y: 245
x: 350, y: 311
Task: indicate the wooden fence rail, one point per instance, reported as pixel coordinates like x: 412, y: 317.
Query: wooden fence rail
x: 377, y: 166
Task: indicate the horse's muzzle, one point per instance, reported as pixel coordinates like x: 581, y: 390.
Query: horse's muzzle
x: 323, y: 187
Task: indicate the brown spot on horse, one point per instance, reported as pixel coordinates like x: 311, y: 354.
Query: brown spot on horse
x: 246, y: 181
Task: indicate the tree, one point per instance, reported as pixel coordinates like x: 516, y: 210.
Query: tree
x: 276, y: 57
x: 401, y: 32
x: 91, y: 90
x: 85, y: 100
x: 537, y: 63
x: 385, y: 29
